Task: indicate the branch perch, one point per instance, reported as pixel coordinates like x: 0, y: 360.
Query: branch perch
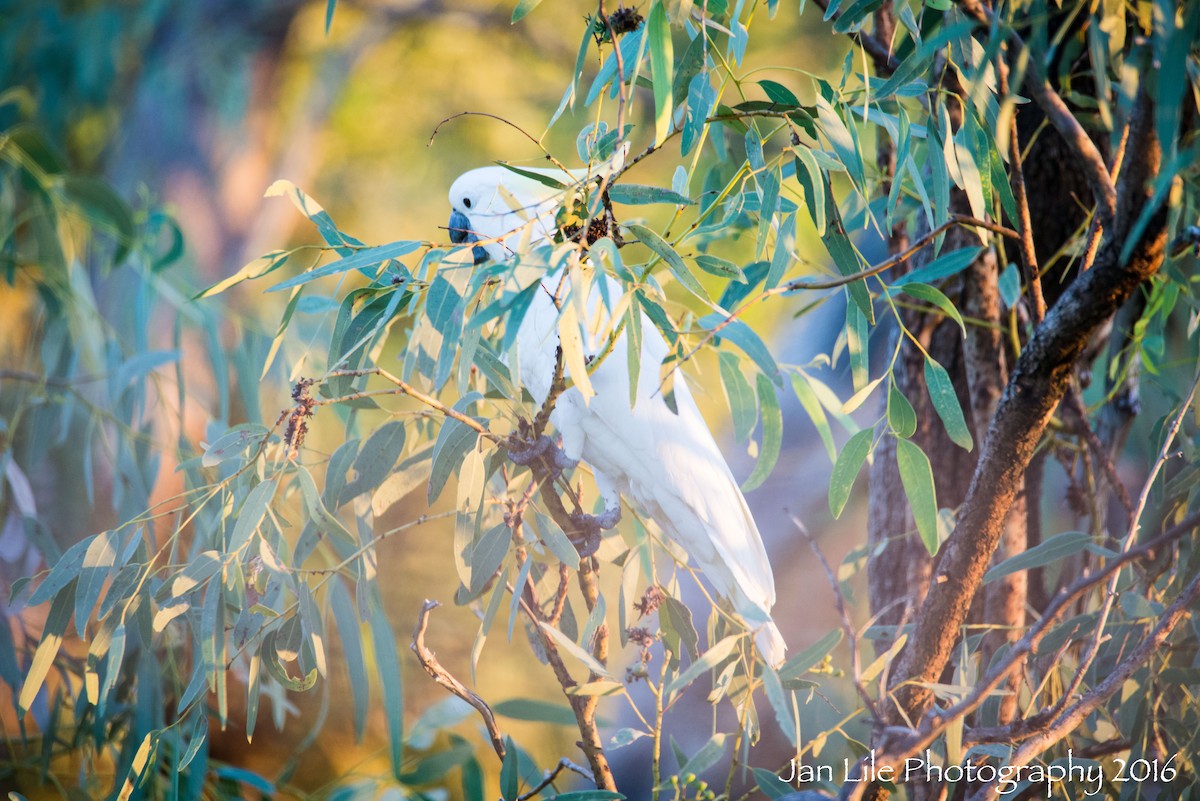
x: 443, y: 677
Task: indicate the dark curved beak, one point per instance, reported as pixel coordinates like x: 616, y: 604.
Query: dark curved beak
x: 461, y: 234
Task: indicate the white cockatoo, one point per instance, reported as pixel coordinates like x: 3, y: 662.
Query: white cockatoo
x: 667, y: 464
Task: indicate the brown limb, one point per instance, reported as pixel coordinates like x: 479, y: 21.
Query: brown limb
x: 443, y: 677
x: 1038, y: 382
x: 584, y: 707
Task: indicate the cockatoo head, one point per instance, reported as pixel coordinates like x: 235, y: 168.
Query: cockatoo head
x: 499, y: 208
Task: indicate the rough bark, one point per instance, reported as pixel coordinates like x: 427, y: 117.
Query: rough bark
x: 1038, y: 382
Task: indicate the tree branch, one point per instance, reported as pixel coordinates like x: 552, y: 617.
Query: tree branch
x: 1037, y: 384
x: 443, y: 677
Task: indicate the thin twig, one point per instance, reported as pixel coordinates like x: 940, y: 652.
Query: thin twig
x: 407, y: 389
x: 1135, y: 516
x: 801, y: 284
x: 552, y: 774
x: 456, y: 687
x: 851, y: 636
x: 549, y: 156
x: 937, y: 721
x: 1074, y: 404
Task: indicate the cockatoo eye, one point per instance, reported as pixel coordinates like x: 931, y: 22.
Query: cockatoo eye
x: 467, y: 202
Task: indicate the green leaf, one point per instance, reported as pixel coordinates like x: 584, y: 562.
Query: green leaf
x: 317, y: 512
x: 722, y: 268
x: 389, y: 678
x: 845, y: 470
x: 263, y: 265
x: 376, y: 458
x: 772, y: 439
x: 744, y: 337
x: 523, y: 8
x: 945, y: 402
x: 700, y: 101
x: 708, y: 660
x: 935, y: 296
x: 488, y: 554
x: 795, y: 668
x: 362, y: 259
x: 329, y: 8
x: 917, y: 477
x: 233, y: 443
x: 769, y: 783
x: 778, y: 93
x: 709, y: 754
x: 65, y: 570
x: 660, y: 246
x: 638, y: 195
x: 662, y: 64
x: 743, y: 407
x: 1046, y: 552
x: 901, y: 416
x: 554, y: 539
x: 679, y: 633
x: 812, y: 406
x: 1010, y: 285
x: 535, y: 711
x: 534, y: 175
x: 510, y: 773
x: 349, y: 629
x: 812, y: 182
x: 104, y: 208
x: 781, y: 704
x: 943, y: 266
x: 254, y: 509
x: 855, y: 14
x: 453, y: 442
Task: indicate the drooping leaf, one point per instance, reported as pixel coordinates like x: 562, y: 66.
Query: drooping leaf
x: 846, y: 468
x: 945, y: 402
x: 524, y: 7
x: 743, y: 406
x: 916, y: 476
x: 772, y: 438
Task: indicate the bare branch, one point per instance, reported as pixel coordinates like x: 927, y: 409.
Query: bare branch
x: 443, y: 677
x: 847, y: 627
x: 552, y: 774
